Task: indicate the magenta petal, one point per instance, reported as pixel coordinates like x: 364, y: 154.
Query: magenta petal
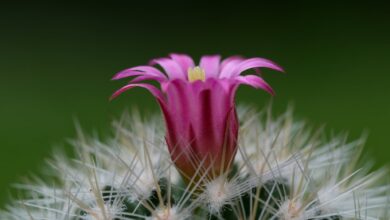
x: 172, y: 68
x: 148, y: 69
x: 210, y: 64
x: 231, y: 59
x: 155, y: 92
x: 228, y: 66
x: 184, y: 61
x: 143, y: 78
x: 256, y: 82
x: 138, y: 70
x: 256, y: 63
x: 127, y: 73
x: 179, y: 104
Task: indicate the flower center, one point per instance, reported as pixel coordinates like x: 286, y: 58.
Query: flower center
x: 196, y: 73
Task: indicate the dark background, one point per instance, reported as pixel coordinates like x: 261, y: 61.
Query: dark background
x: 56, y: 59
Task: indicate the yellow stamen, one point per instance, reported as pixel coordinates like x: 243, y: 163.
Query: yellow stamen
x: 196, y: 73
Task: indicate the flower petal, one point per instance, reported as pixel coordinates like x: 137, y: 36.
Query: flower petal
x: 143, y: 78
x: 256, y: 82
x: 184, y: 61
x: 139, y: 70
x: 171, y: 67
x: 256, y: 63
x: 210, y: 64
x: 230, y: 59
x: 228, y: 65
x: 155, y: 92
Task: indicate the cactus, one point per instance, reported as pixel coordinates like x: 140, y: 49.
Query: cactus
x: 282, y: 171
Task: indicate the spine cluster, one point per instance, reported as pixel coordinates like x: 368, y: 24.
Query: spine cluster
x: 283, y: 171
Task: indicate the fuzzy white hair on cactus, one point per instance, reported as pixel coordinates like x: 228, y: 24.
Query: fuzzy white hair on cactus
x: 131, y: 176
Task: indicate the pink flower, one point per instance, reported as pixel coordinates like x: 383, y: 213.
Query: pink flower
x: 198, y: 104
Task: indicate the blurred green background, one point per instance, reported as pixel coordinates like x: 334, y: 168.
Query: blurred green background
x: 57, y: 58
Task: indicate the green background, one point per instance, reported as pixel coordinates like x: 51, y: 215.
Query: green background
x: 56, y: 61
